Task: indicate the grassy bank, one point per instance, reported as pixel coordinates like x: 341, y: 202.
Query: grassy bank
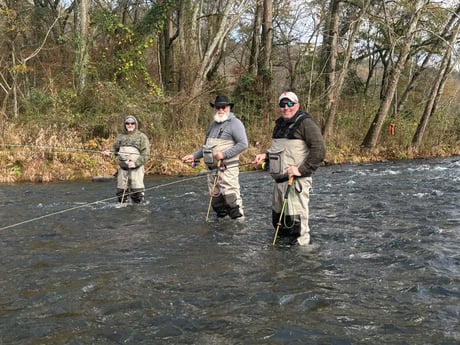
x: 29, y: 153
x: 59, y: 136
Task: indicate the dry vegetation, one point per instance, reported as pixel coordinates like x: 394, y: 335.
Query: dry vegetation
x: 32, y: 154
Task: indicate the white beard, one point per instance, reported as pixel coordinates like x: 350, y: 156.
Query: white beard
x: 222, y: 118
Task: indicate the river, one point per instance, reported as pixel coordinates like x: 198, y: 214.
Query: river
x: 76, y: 268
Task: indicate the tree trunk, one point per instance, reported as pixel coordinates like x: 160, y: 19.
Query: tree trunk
x: 265, y: 70
x: 421, y: 67
x: 82, y: 62
x: 255, y: 43
x: 336, y: 84
x: 167, y: 39
x: 214, y: 49
x: 373, y: 134
x: 330, y: 54
x: 436, y: 89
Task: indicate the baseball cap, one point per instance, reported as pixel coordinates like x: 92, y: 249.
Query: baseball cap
x: 290, y: 96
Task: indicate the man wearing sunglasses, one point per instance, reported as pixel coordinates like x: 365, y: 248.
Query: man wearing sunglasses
x: 297, y: 150
x: 133, y: 149
x: 225, y: 140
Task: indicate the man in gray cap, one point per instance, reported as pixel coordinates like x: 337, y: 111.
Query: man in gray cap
x: 297, y: 150
x: 133, y: 149
x: 225, y: 140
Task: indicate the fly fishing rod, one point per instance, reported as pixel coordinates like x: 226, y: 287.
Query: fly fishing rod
x: 286, y: 196
x: 211, y: 192
x: 60, y: 149
x: 125, y: 187
x: 53, y: 148
x: 224, y: 167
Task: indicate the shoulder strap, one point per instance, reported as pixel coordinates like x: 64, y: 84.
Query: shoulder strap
x: 296, y: 124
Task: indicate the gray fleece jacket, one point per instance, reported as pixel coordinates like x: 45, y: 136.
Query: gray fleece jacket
x: 232, y: 129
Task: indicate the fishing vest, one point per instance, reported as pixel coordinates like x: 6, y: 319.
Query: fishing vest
x: 286, y: 151
x: 129, y: 149
x: 218, y: 144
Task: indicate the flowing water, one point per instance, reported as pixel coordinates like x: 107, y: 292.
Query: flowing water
x: 384, y: 269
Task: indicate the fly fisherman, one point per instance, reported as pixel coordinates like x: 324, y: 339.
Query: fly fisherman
x: 225, y: 140
x: 297, y: 150
x: 133, y: 149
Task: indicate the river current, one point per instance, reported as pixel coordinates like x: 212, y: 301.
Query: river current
x: 76, y: 268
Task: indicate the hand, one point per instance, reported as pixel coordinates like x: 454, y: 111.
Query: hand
x: 260, y: 158
x: 131, y: 164
x: 188, y: 159
x: 219, y: 156
x: 106, y: 152
x: 293, y: 171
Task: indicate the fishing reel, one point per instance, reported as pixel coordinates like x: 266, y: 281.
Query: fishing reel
x: 265, y: 166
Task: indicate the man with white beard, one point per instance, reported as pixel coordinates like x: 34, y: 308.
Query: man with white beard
x: 225, y: 140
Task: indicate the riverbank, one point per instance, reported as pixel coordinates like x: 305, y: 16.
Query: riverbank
x: 44, y: 163
x: 29, y: 153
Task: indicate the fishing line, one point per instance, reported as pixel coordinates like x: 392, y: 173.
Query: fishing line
x: 72, y: 149
x: 199, y: 175
x: 93, y: 203
x: 56, y: 149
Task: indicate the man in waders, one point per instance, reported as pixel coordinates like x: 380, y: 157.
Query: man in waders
x: 297, y: 150
x: 225, y: 140
x: 133, y: 149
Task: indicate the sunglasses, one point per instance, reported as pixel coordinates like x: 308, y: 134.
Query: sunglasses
x: 289, y: 104
x: 218, y: 107
x: 130, y: 123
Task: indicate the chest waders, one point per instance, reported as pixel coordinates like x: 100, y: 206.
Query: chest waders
x: 290, y: 215
x: 286, y: 196
x: 224, y: 186
x: 130, y: 181
x: 213, y: 188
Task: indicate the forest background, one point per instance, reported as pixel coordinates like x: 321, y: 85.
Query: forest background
x: 381, y: 77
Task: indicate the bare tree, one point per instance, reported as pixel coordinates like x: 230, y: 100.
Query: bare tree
x: 82, y: 61
x: 265, y: 68
x: 18, y: 58
x: 432, y: 47
x: 227, y: 19
x: 438, y: 85
x: 373, y: 134
x: 334, y: 80
x: 330, y: 52
x: 297, y: 36
x: 255, y: 40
